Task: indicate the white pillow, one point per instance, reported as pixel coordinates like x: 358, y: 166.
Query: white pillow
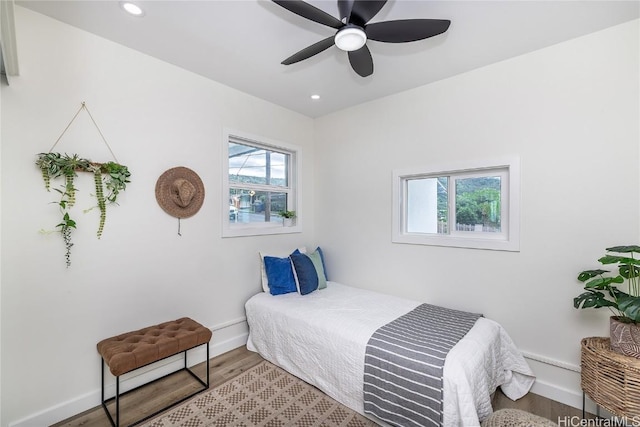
x: 263, y: 271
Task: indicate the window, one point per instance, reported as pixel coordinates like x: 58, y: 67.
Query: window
x: 260, y: 181
x: 476, y: 206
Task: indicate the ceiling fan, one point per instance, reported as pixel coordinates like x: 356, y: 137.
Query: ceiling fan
x: 353, y: 30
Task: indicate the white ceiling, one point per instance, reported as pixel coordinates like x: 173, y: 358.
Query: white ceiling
x: 241, y: 43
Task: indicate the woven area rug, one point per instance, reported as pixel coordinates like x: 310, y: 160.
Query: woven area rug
x: 264, y: 395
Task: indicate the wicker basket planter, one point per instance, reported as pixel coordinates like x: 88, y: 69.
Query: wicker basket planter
x: 611, y: 380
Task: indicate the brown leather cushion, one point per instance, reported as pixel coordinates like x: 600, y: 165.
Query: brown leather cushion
x: 126, y: 352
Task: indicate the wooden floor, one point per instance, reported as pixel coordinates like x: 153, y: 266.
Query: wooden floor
x: 148, y: 399
x: 226, y: 366
x: 539, y: 405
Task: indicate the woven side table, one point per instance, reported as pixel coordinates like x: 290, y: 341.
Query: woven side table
x: 611, y: 380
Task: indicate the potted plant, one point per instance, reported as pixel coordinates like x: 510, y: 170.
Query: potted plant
x: 287, y: 217
x: 601, y: 290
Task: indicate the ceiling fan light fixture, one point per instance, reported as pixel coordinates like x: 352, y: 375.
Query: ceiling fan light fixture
x: 351, y: 35
x: 350, y: 38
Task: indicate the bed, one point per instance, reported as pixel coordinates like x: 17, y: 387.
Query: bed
x: 321, y: 338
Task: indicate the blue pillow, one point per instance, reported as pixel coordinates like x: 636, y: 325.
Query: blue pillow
x: 316, y: 258
x: 279, y: 275
x: 324, y: 266
x: 305, y: 274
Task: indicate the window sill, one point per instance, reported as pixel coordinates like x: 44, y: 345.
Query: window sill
x: 458, y: 242
x: 234, y: 230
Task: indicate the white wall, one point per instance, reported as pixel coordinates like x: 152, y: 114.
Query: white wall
x: 155, y: 116
x: 570, y: 112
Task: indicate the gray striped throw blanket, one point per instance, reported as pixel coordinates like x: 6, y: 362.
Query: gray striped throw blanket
x: 404, y: 361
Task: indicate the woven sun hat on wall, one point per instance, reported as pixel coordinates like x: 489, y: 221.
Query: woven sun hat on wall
x: 180, y: 192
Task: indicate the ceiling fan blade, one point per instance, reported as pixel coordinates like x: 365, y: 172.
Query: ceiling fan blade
x: 364, y: 10
x: 406, y: 30
x: 310, y: 12
x: 344, y: 7
x: 361, y: 61
x: 309, y: 51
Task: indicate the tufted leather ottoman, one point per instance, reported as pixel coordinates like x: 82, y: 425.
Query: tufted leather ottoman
x: 132, y: 350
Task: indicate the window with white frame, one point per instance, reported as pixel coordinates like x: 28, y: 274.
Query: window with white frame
x: 260, y: 182
x: 473, y: 206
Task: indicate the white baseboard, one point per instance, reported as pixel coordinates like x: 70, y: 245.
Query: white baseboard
x: 90, y: 400
x: 569, y: 397
x: 559, y: 394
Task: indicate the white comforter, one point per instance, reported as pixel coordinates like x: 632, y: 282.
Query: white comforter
x: 321, y: 338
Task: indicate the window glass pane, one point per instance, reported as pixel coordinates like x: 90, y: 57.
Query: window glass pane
x: 254, y: 165
x: 478, y: 204
x: 427, y: 205
x: 248, y: 206
x: 475, y: 207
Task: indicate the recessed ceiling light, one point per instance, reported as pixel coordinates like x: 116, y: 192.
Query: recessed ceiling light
x: 132, y: 8
x: 315, y: 96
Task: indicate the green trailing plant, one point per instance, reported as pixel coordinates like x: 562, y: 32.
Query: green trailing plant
x: 102, y: 204
x: 601, y: 287
x: 117, y: 180
x: 65, y: 229
x: 69, y: 166
x: 111, y: 175
x: 48, y: 164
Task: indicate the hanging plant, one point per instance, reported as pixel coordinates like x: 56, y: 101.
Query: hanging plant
x: 115, y: 177
x: 65, y: 229
x: 102, y: 205
x: 111, y: 175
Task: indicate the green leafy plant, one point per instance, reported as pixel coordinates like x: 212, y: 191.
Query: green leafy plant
x: 111, y: 175
x: 65, y: 229
x: 287, y: 214
x: 102, y: 204
x: 601, y: 289
x: 115, y: 177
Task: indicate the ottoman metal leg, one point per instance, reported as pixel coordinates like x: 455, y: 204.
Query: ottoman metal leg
x: 116, y: 422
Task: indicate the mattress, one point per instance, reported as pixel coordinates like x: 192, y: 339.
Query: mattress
x: 321, y: 338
